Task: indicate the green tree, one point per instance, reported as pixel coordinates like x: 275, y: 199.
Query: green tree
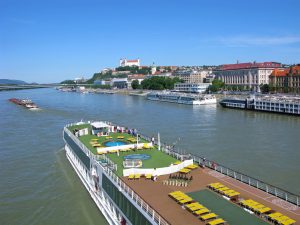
x: 216, y: 85
x: 68, y: 82
x: 135, y: 84
x: 160, y: 83
x: 265, y: 88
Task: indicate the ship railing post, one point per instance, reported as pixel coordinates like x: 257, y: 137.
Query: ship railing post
x: 267, y: 188
x: 275, y: 190
x: 286, y: 196
x: 297, y: 201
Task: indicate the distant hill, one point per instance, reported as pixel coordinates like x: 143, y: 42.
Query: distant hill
x: 9, y: 81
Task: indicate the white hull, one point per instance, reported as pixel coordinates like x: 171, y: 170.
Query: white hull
x: 194, y: 102
x: 101, y: 203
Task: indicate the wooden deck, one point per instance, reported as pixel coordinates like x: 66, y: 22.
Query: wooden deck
x: 156, y: 195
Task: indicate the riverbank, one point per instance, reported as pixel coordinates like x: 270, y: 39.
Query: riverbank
x: 22, y: 87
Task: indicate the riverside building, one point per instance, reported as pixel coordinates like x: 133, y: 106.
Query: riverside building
x: 286, y: 80
x: 189, y: 76
x: 246, y: 76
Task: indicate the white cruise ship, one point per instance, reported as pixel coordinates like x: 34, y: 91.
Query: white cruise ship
x: 182, y: 98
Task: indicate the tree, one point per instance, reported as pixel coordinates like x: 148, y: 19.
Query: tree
x: 265, y: 88
x: 216, y: 85
x: 68, y: 82
x: 135, y: 84
x: 160, y: 83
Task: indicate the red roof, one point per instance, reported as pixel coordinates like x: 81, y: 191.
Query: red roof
x: 250, y: 65
x: 279, y: 72
x: 294, y: 70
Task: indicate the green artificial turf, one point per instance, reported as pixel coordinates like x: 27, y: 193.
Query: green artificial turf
x: 230, y: 212
x: 157, y: 159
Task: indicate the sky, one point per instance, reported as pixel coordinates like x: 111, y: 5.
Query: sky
x: 50, y: 41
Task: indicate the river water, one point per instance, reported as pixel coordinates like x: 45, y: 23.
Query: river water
x: 38, y: 186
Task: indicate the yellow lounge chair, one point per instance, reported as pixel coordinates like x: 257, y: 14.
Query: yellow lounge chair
x: 275, y: 215
x: 216, y: 222
x: 137, y: 176
x: 201, y: 211
x: 131, y: 176
x: 196, y: 208
x: 148, y: 176
x: 186, y: 200
x: 288, y: 222
x: 264, y: 210
x: 208, y: 216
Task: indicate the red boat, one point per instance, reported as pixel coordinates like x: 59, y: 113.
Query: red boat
x: 27, y: 103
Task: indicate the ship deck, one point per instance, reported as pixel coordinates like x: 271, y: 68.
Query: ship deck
x: 155, y: 193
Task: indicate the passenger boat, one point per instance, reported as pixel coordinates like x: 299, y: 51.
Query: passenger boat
x: 160, y: 186
x: 27, y: 103
x: 267, y: 103
x: 182, y: 98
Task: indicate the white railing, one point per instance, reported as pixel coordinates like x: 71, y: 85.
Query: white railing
x: 136, y: 198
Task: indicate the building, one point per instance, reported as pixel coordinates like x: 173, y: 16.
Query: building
x: 192, y: 76
x: 119, y: 83
x: 139, y: 77
x: 79, y: 80
x: 191, y: 87
x: 100, y: 82
x: 129, y: 62
x: 285, y: 80
x: 247, y: 76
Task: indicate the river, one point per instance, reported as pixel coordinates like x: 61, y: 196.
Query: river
x: 38, y: 186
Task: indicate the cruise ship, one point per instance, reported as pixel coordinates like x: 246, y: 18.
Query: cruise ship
x: 137, y: 180
x: 267, y: 103
x: 182, y: 98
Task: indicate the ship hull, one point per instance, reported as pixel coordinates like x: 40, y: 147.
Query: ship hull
x: 101, y: 203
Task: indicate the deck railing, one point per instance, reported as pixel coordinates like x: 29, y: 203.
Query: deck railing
x: 135, y: 197
x: 271, y: 189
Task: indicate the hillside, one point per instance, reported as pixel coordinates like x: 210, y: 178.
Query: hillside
x: 9, y: 81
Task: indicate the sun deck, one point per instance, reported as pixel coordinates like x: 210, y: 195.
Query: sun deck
x: 156, y: 194
x: 193, y: 181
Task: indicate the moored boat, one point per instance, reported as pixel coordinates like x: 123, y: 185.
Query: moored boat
x: 182, y: 98
x: 266, y: 103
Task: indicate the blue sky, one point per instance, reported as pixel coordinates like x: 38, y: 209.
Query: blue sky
x: 50, y: 41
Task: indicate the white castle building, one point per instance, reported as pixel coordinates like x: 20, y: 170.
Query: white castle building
x: 129, y: 62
